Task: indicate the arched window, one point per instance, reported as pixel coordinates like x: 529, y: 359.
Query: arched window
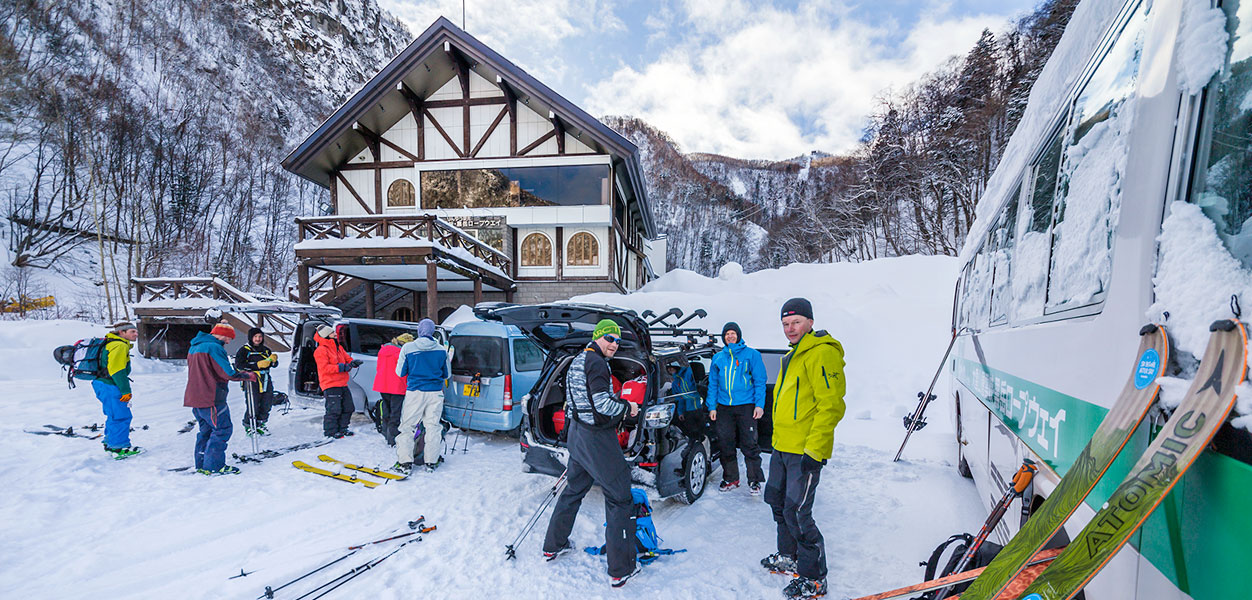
x: 536, y: 251
x: 400, y: 193
x: 583, y: 250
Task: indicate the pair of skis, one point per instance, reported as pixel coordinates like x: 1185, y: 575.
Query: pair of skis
x: 349, y: 477
x: 1188, y: 431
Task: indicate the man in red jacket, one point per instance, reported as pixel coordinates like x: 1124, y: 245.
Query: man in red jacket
x: 334, y: 365
x: 390, y: 387
x: 208, y: 370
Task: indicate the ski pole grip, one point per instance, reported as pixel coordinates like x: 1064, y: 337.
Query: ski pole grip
x: 428, y: 529
x: 1024, y: 475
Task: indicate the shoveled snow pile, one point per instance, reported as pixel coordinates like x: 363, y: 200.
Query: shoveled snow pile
x: 82, y: 525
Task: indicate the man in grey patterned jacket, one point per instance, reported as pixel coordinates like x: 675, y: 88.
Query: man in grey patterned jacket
x: 595, y: 456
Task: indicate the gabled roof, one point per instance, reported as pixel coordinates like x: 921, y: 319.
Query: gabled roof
x: 423, y: 67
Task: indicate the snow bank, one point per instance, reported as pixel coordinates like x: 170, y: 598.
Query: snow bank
x: 892, y: 316
x: 26, y: 349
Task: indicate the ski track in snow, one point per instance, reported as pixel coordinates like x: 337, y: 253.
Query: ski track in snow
x: 82, y: 524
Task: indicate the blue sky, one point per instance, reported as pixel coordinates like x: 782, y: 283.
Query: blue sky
x: 750, y: 79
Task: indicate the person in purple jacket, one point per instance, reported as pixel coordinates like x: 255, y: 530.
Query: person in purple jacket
x: 208, y: 371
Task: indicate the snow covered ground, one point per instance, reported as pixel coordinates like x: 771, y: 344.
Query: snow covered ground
x: 79, y: 524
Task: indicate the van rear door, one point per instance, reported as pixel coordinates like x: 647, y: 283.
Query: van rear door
x: 482, y: 361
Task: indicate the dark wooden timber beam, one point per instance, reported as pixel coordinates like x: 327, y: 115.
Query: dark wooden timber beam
x: 417, y: 108
x: 559, y: 127
x: 535, y: 144
x: 375, y: 140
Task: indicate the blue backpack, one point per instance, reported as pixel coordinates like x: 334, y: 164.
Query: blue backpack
x: 647, y: 542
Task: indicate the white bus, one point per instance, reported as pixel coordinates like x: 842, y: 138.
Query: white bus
x: 1124, y: 197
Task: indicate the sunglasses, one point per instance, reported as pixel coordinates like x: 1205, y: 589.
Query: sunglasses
x: 612, y: 339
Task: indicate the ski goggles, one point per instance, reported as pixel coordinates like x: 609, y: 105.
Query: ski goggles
x: 612, y: 339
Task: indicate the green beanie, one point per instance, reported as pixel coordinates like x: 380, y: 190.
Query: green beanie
x: 606, y: 327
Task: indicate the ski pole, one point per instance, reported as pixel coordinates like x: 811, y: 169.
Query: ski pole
x: 251, y: 400
x: 477, y: 382
x: 270, y: 591
x: 921, y: 406
x: 350, y: 575
x: 510, y: 551
x: 1021, y: 480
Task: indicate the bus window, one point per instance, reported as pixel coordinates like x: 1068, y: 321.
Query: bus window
x: 1002, y: 257
x: 1088, y: 191
x: 1030, y: 263
x: 1224, y: 153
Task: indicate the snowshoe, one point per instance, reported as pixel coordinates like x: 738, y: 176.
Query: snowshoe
x: 754, y: 488
x: 551, y: 556
x: 621, y: 581
x: 803, y: 587
x: 728, y: 485
x: 121, y: 453
x: 780, y: 564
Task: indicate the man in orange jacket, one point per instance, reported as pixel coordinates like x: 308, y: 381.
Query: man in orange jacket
x: 334, y: 365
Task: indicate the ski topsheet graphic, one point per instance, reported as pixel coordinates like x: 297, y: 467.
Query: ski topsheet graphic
x: 1106, y: 443
x: 1180, y: 441
x: 1039, y: 562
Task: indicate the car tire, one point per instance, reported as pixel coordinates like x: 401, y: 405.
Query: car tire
x: 695, y: 474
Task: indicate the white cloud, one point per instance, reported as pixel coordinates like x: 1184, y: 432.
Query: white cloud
x: 528, y: 32
x: 747, y: 73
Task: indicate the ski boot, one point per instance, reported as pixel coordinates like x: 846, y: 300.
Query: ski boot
x: 780, y: 564
x: 225, y: 470
x: 754, y: 488
x: 402, y: 468
x: 262, y: 428
x: 803, y: 588
x: 728, y: 485
x: 621, y: 581
x: 551, y: 556
x: 430, y: 467
x: 121, y: 453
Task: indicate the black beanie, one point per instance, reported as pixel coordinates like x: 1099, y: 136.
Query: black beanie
x: 797, y: 306
x: 254, y: 331
x: 732, y: 326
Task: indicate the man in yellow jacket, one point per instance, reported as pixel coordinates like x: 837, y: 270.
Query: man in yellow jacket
x: 808, y: 403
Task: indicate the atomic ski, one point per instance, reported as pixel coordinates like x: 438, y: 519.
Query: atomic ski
x: 1034, y: 566
x: 264, y: 454
x: 1187, y: 432
x: 1106, y: 443
x: 303, y: 466
x: 374, y: 472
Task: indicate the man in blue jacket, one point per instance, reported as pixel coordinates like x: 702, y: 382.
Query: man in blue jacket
x: 736, y: 400
x: 424, y: 365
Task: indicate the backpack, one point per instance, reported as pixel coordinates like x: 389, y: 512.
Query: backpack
x: 959, y: 543
x: 84, y: 359
x: 647, y: 542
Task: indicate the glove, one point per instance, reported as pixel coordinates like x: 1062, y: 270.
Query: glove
x: 263, y: 364
x: 808, y: 464
x: 125, y: 398
x: 249, y: 376
x: 356, y: 362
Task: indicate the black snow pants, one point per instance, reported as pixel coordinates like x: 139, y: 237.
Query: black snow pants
x: 261, y: 401
x: 789, y: 492
x: 339, y: 409
x: 596, y: 457
x: 732, y: 420
x: 392, y: 403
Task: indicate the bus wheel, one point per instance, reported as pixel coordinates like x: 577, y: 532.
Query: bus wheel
x: 962, y: 466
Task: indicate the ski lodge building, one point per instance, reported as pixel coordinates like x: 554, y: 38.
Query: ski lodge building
x: 455, y: 177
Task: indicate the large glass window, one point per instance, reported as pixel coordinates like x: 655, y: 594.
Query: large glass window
x: 579, y: 185
x: 370, y: 338
x: 1030, y: 259
x: 527, y: 355
x: 1223, y: 167
x: 1002, y: 236
x: 1092, y: 166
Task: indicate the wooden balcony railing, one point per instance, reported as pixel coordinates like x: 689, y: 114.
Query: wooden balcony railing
x: 416, y: 227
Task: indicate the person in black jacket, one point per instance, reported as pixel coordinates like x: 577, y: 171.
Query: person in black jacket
x: 254, y: 357
x: 596, y: 457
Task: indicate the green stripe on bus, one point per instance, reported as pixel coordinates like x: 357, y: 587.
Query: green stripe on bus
x: 1207, y: 553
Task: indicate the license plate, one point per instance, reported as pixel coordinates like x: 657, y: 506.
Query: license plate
x: 471, y: 390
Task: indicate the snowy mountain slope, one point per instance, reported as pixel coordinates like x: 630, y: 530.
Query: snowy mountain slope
x: 132, y: 529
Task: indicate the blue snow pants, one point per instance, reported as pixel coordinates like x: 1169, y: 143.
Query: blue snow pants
x: 215, y: 430
x: 116, y: 414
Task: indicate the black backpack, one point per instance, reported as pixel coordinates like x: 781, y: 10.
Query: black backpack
x: 84, y: 359
x: 941, y: 556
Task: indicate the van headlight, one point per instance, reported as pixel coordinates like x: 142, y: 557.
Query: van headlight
x: 658, y: 416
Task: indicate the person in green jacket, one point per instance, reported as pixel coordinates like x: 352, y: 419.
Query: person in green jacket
x: 113, y: 391
x: 808, y: 404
